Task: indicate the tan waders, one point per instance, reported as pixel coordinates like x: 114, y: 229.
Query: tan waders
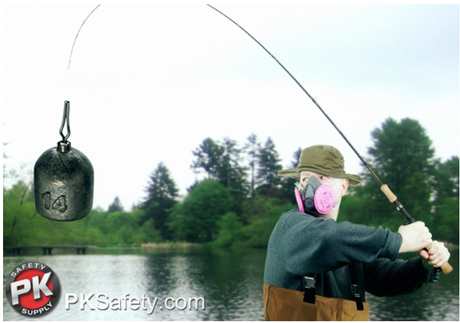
x: 282, y: 304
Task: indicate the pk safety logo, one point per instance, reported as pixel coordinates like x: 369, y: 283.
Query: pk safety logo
x: 32, y: 289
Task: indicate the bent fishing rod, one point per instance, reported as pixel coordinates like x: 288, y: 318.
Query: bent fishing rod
x: 384, y: 188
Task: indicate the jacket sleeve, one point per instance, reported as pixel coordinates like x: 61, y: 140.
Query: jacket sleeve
x: 316, y: 245
x: 391, y: 278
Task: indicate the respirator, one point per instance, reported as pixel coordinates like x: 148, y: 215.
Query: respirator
x: 316, y: 198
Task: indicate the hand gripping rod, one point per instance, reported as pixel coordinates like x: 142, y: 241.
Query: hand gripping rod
x: 385, y: 189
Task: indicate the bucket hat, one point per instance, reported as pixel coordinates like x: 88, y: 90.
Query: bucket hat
x: 322, y: 159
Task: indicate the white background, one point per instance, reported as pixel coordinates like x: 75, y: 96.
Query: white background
x: 149, y: 82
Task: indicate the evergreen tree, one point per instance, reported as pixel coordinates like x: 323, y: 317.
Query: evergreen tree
x: 446, y: 179
x: 232, y: 175
x: 208, y: 158
x: 288, y: 183
x: 191, y: 187
x: 268, y: 167
x: 402, y: 157
x: 161, y: 198
x: 446, y: 216
x: 116, y: 206
x: 252, y: 148
x: 222, y: 161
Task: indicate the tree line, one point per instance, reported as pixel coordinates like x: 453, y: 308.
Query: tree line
x: 241, y: 197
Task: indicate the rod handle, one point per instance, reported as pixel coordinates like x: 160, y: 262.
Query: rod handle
x: 388, y: 193
x: 446, y: 268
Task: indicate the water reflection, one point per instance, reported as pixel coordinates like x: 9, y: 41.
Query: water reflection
x: 230, y: 282
x: 433, y: 302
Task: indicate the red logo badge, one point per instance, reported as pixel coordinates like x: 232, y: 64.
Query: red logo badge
x: 32, y: 289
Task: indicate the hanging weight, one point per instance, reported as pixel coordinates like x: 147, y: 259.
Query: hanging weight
x: 63, y: 180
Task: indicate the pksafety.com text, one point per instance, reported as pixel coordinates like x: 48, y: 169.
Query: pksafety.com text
x: 103, y: 302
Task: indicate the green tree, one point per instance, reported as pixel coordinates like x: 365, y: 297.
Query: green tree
x: 230, y: 230
x: 262, y: 213
x: 232, y: 175
x: 252, y: 148
x: 209, y: 156
x: 196, y: 218
x: 288, y: 183
x: 122, y: 228
x: 161, y: 198
x: 445, y: 186
x: 268, y: 167
x: 23, y: 226
x: 357, y: 209
x: 402, y: 157
x: 222, y: 161
x: 18, y: 211
x: 146, y: 233
x: 116, y: 206
x: 446, y: 176
x: 97, y: 219
x: 447, y: 222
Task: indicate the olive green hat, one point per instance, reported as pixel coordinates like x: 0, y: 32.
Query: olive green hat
x: 322, y: 159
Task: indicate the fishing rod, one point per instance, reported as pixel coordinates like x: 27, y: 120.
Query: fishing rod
x: 383, y: 187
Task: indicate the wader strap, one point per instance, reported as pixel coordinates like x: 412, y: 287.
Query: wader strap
x: 355, y: 289
x: 309, y: 288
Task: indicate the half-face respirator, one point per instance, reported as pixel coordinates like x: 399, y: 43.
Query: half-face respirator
x: 316, y: 198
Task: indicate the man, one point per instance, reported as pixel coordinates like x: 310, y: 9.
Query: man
x: 318, y: 269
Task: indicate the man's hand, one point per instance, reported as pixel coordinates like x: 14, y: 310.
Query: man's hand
x: 438, y: 255
x: 416, y: 236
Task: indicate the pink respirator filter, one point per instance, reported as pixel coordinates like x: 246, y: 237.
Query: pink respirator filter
x: 324, y: 198
x: 299, y: 200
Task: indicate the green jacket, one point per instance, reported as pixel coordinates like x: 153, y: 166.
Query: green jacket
x: 302, y: 245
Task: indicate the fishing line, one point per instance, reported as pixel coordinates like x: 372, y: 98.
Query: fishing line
x: 67, y: 77
x: 305, y: 91
x: 384, y: 188
x: 76, y: 36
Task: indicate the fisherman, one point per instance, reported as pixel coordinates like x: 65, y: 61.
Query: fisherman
x: 318, y: 269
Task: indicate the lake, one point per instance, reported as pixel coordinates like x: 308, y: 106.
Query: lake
x: 228, y: 282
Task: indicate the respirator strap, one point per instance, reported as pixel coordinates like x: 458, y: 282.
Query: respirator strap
x: 332, y: 183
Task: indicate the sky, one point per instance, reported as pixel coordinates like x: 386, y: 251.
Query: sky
x: 147, y: 83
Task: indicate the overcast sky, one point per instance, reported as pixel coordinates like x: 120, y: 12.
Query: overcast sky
x: 148, y: 83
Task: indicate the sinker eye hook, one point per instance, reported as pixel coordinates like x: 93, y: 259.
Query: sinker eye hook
x: 65, y: 118
x: 64, y: 145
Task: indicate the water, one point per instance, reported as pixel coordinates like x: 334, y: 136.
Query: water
x: 433, y: 302
x: 228, y: 280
